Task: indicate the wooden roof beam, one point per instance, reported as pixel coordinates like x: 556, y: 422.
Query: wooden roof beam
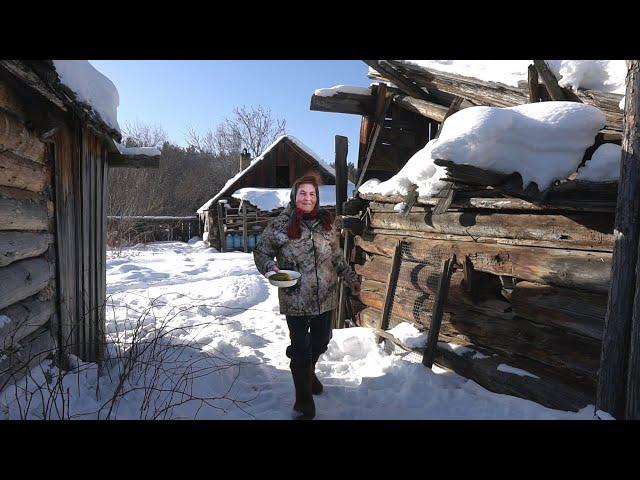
x: 352, y: 103
x: 118, y: 160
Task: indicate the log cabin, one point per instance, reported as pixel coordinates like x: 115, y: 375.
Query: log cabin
x: 232, y: 224
x: 525, y: 309
x: 56, y: 150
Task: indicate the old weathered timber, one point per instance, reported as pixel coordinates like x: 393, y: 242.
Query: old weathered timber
x: 16, y: 246
x: 423, y: 107
x: 595, y: 229
x: 438, y: 307
x: 133, y: 161
x: 565, y: 268
x: 381, y: 114
x: 25, y: 318
x: 341, y: 146
x: 550, y: 80
x: 495, y: 94
x: 341, y: 102
x: 15, y: 137
x: 612, y: 386
x: 573, y: 310
x: 220, y: 211
x: 396, y: 78
x: 552, y: 387
x: 534, y: 95
x: 21, y: 173
x: 23, y: 279
x: 392, y: 279
x: 22, y: 213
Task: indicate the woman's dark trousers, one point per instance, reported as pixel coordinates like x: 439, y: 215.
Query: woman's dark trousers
x: 310, y: 336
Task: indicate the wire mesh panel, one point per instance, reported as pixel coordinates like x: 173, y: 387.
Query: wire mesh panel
x: 413, y: 292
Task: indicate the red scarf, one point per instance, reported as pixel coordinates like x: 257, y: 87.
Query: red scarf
x: 298, y: 215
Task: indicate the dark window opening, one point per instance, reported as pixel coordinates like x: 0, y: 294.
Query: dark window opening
x: 282, y: 176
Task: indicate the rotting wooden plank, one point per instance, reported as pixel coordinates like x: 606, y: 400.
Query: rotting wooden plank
x: 570, y: 309
x: 592, y: 229
x: 22, y: 215
x: 381, y: 113
x: 533, y: 84
x: 16, y: 246
x: 613, y: 394
x: 22, y: 279
x: 15, y: 137
x: 438, y: 307
x: 585, y: 270
x: 21, y: 173
x: 341, y: 102
x: 25, y: 317
x: 391, y: 285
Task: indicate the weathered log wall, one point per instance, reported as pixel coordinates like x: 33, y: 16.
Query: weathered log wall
x: 27, y: 240
x: 539, y: 298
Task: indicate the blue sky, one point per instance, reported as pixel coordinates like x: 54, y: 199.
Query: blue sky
x: 180, y: 94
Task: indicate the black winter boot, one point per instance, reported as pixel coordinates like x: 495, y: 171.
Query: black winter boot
x: 304, y: 408
x: 316, y: 386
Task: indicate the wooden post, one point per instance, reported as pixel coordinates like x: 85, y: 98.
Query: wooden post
x: 534, y: 94
x: 374, y: 138
x: 550, y: 80
x: 245, y: 236
x: 391, y: 287
x: 618, y: 332
x: 221, y: 227
x: 438, y: 308
x: 342, y: 298
x: 341, y: 171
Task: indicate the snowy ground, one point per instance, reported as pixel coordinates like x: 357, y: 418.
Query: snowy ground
x: 219, y: 354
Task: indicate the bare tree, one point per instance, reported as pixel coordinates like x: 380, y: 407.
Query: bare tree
x: 138, y: 134
x: 256, y: 126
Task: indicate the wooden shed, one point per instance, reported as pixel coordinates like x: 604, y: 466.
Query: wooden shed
x: 55, y: 155
x: 525, y: 310
x: 285, y: 160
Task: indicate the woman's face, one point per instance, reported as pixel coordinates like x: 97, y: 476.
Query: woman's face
x: 306, y: 197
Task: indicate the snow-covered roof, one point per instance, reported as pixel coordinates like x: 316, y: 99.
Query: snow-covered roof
x: 258, y: 159
x: 542, y: 141
x: 146, y: 151
x: 602, y: 75
x: 267, y: 199
x: 91, y: 87
x: 330, y: 92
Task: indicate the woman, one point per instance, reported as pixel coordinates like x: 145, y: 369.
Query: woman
x: 302, y: 238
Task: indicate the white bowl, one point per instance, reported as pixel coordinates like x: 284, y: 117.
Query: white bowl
x: 284, y: 283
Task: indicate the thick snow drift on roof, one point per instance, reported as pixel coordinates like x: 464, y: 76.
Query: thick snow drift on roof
x: 91, y: 87
x: 602, y: 75
x: 604, y: 165
x: 542, y: 141
x: 267, y: 199
x: 255, y: 161
x: 148, y: 151
x: 330, y: 92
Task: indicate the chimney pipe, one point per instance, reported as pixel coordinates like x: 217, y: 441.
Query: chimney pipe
x: 245, y: 159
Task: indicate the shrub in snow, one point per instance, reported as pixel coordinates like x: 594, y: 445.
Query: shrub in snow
x: 604, y: 165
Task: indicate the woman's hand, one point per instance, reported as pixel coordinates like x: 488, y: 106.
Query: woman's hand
x: 274, y: 269
x: 356, y: 288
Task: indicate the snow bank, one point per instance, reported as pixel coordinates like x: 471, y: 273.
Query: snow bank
x: 148, y: 151
x: 330, y: 92
x: 91, y: 87
x: 602, y: 75
x: 409, y: 335
x: 268, y: 199
x: 604, y: 165
x: 542, y: 141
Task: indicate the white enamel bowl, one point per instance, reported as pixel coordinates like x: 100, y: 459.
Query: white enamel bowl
x: 284, y: 283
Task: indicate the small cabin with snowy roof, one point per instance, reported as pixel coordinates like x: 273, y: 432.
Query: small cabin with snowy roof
x: 58, y: 140
x: 259, y: 191
x: 506, y: 187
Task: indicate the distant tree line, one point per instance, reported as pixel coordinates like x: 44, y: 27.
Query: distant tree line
x: 188, y: 176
